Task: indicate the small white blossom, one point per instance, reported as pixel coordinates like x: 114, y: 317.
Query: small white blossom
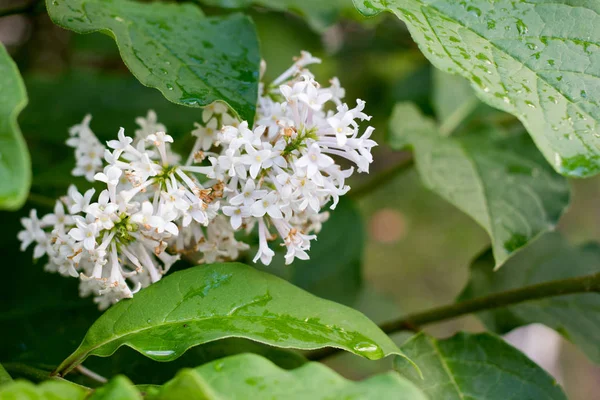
x: 278, y: 176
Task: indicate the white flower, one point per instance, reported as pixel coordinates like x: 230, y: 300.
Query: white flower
x: 236, y: 214
x: 314, y: 161
x: 256, y: 159
x: 267, y: 205
x: 215, y: 108
x: 248, y: 195
x: 85, y: 233
x: 277, y: 175
x: 207, y: 134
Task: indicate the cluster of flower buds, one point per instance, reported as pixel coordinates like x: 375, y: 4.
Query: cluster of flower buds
x: 274, y: 178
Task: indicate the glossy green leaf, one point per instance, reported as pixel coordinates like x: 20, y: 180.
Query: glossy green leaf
x: 535, y: 59
x: 453, y: 100
x: 15, y: 169
x: 475, y: 366
x: 319, y: 14
x: 192, y: 59
x: 249, y: 376
x: 118, y: 388
x: 334, y: 270
x: 503, y: 184
x: 576, y: 316
x: 208, y: 303
x: 4, y: 376
x: 48, y: 390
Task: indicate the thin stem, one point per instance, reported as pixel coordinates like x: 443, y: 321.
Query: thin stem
x: 414, y: 322
x: 453, y: 121
x: 381, y: 179
x: 34, y: 374
x: 41, y: 200
x: 91, y: 374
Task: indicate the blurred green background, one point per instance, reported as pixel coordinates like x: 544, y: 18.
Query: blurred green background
x: 417, y: 247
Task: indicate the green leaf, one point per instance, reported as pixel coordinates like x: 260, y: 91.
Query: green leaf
x: 503, y: 184
x: 576, y: 316
x: 453, y: 100
x: 535, y: 59
x: 208, y: 303
x: 192, y: 59
x: 334, y: 270
x: 475, y: 366
x: 249, y: 376
x: 118, y: 388
x: 319, y: 14
x: 4, y: 376
x: 15, y: 169
x: 48, y: 390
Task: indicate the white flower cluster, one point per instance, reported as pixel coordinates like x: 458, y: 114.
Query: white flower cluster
x: 275, y: 177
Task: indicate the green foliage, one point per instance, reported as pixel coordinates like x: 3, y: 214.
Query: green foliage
x: 481, y: 366
x: 319, y: 14
x: 118, y: 388
x: 15, y: 169
x: 531, y: 59
x: 246, y: 376
x: 4, y: 376
x: 192, y: 59
x: 576, y: 316
x: 48, y: 390
x: 536, y: 60
x: 503, y: 184
x: 207, y: 303
x: 250, y: 376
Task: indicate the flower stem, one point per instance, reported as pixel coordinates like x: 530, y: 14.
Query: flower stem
x: 414, y: 322
x: 382, y: 179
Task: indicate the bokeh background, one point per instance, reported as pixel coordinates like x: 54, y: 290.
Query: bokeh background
x: 417, y: 248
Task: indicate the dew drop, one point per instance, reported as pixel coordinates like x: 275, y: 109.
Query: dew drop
x: 584, y: 94
x: 169, y: 86
x: 521, y: 27
x: 218, y: 366
x: 160, y: 353
x: 368, y: 349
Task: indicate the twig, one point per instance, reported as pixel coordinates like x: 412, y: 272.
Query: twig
x: 41, y: 200
x: 381, y: 179
x: 91, y: 374
x: 583, y: 284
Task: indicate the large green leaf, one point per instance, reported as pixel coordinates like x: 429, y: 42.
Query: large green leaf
x: 49, y: 390
x: 192, y: 59
x: 319, y: 14
x: 15, y: 169
x: 334, y: 270
x: 249, y: 376
x: 503, y: 184
x: 208, y: 303
x: 535, y: 59
x: 475, y: 366
x: 576, y: 316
